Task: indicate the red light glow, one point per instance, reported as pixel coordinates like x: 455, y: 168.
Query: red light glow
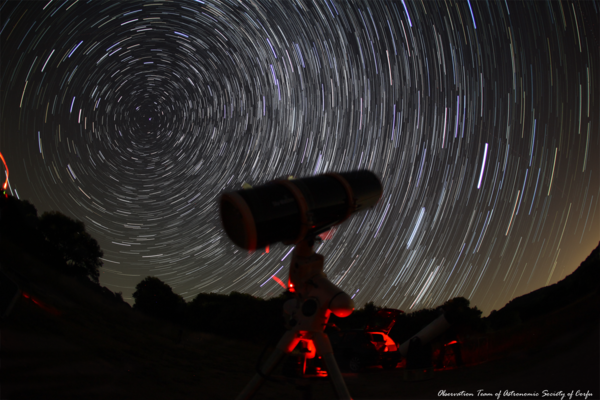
x: 279, y: 281
x: 328, y: 234
x: 5, y: 166
x: 40, y: 304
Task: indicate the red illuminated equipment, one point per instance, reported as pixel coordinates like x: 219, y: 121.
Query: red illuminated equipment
x: 356, y: 349
x: 315, y: 298
x: 296, y: 212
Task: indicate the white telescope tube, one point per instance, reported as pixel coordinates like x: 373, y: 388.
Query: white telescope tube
x: 427, y: 334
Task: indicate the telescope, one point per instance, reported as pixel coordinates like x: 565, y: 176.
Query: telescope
x: 296, y: 212
x: 289, y: 211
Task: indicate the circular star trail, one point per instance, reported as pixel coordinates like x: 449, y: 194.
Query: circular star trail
x: 480, y: 118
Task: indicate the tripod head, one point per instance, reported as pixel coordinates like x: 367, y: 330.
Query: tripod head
x: 316, y: 297
x: 307, y: 279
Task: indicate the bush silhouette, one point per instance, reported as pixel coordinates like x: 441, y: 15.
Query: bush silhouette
x: 79, y: 251
x: 20, y: 226
x: 156, y: 298
x: 19, y: 222
x: 459, y: 312
x: 237, y: 315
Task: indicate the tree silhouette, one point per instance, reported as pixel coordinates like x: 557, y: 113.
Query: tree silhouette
x: 371, y: 309
x: 359, y: 318
x: 80, y: 252
x: 156, y: 298
x: 20, y: 227
x: 19, y: 221
x: 458, y: 310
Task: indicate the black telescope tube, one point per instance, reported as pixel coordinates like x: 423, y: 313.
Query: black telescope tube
x: 290, y: 210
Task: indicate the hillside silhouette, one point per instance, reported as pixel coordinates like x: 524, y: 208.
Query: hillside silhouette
x: 65, y: 246
x: 584, y: 281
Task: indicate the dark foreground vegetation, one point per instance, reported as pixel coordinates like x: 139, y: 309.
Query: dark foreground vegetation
x: 221, y: 314
x: 61, y: 243
x: 68, y: 337
x: 65, y: 246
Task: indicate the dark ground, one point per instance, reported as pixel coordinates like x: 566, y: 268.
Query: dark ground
x: 97, y: 350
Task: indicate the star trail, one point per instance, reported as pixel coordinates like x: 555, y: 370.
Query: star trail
x: 481, y: 118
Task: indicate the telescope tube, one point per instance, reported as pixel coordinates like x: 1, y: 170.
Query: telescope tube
x: 290, y: 210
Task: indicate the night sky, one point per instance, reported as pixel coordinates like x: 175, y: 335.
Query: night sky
x: 480, y: 118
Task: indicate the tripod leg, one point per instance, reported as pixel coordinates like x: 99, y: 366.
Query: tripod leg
x: 324, y: 349
x: 286, y: 344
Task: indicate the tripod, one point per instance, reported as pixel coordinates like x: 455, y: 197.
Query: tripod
x: 315, y: 298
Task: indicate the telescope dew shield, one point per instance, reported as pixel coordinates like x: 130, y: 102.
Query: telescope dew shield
x: 288, y: 211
